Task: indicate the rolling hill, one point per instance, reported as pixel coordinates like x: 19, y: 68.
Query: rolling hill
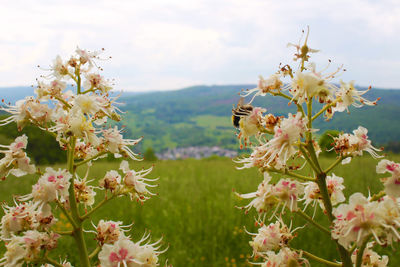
x: 201, y: 115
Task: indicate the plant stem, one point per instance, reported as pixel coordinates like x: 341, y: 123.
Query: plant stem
x: 309, y: 161
x: 309, y: 219
x: 321, y: 182
x: 323, y: 109
x: 53, y: 262
x: 78, y: 232
x: 292, y: 174
x: 94, y: 252
x: 334, y: 164
x: 378, y: 196
x: 101, y: 203
x: 70, y: 219
x: 360, y: 252
x: 321, y: 260
x: 89, y: 159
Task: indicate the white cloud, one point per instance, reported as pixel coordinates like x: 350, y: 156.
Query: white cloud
x: 166, y: 44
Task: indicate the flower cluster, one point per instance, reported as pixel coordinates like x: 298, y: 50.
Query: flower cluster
x: 270, y: 196
x: 117, y: 249
x: 15, y: 160
x: 392, y: 183
x: 361, y: 218
x: 350, y: 145
x: 78, y: 121
x: 312, y: 193
x: 285, y: 145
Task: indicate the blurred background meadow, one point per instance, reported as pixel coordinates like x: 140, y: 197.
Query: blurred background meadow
x: 178, y: 67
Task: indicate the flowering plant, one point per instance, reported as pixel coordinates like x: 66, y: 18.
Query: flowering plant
x: 357, y: 224
x: 78, y: 122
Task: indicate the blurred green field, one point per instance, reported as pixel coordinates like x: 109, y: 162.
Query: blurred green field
x: 195, y: 210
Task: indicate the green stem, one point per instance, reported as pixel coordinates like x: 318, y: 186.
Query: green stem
x: 78, y: 78
x: 66, y: 213
x: 99, y: 205
x: 53, y: 262
x: 292, y: 174
x: 64, y: 102
x: 89, y: 159
x: 321, y: 260
x: 360, y: 252
x: 321, y: 182
x: 309, y: 161
x: 333, y: 165
x: 78, y: 231
x: 353, y: 247
x: 63, y: 232
x: 377, y: 196
x: 94, y: 252
x: 309, y: 219
x: 324, y: 109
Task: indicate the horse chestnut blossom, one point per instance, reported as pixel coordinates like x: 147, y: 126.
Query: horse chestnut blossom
x: 77, y: 120
x: 125, y: 252
x: 348, y: 145
x: 275, y: 152
x: 264, y: 86
x: 392, y: 183
x: 287, y: 146
x: 269, y: 196
x: 15, y: 160
x: 312, y: 193
x: 135, y: 183
x: 285, y: 257
x: 370, y: 257
x: 271, y: 237
x: 109, y: 232
x: 347, y: 96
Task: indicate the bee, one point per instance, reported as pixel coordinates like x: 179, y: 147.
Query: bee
x: 240, y: 111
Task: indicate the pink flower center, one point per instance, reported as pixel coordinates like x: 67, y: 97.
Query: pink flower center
x: 51, y: 178
x: 122, y: 253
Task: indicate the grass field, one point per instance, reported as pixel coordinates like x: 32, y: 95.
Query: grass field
x: 195, y: 210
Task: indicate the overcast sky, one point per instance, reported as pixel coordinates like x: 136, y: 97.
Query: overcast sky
x: 170, y: 44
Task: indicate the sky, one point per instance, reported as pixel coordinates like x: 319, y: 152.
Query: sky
x: 171, y: 44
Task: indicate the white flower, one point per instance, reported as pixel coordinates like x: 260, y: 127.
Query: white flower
x: 272, y: 237
x: 15, y: 254
x: 335, y: 187
x: 250, y: 124
x: 311, y: 84
x: 15, y: 160
x: 52, y: 185
x: 25, y: 111
x: 285, y: 193
x: 135, y: 182
x: 59, y: 68
x: 115, y: 143
x: 88, y: 104
x: 54, y: 89
x: 27, y: 247
x: 111, y: 181
x: 96, y: 81
x: 273, y: 83
x: 348, y: 95
x: 370, y: 258
x: 392, y: 183
x: 84, y: 193
x: 356, y: 220
x: 109, y: 232
x: 17, y: 219
x: 285, y: 257
x: 121, y: 253
x: 354, y: 144
x: 86, y: 56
